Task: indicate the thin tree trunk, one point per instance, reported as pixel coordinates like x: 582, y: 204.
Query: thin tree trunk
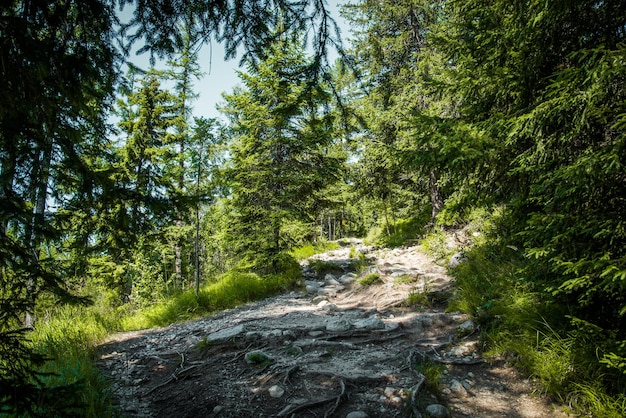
x: 436, y: 198
x: 7, y: 174
x: 196, y: 258
x: 33, y: 234
x: 387, y: 218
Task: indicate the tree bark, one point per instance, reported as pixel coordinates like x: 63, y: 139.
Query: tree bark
x: 436, y: 198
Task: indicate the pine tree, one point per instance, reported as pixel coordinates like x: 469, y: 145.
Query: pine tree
x: 392, y: 54
x: 281, y: 133
x: 58, y: 67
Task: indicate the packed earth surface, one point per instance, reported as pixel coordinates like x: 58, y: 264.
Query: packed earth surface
x: 368, y: 335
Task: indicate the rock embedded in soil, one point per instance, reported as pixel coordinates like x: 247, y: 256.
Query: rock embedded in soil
x: 276, y: 391
x: 357, y: 414
x: 369, y: 323
x: 338, y: 325
x: 458, y: 388
x: 437, y: 411
x: 227, y: 333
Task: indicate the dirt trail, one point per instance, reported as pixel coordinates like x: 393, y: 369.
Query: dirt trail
x: 338, y: 349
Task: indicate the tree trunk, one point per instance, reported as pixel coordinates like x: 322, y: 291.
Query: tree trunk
x: 7, y: 174
x: 436, y: 198
x: 33, y: 232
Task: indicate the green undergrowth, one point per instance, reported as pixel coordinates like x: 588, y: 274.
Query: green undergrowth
x: 503, y: 291
x: 371, y: 279
x: 307, y: 250
x: 230, y: 290
x: 68, y: 338
x: 69, y: 335
x: 406, y: 231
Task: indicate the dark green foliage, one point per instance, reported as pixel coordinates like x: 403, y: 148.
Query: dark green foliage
x: 56, y: 75
x: 554, y: 102
x: 251, y: 24
x: 281, y: 134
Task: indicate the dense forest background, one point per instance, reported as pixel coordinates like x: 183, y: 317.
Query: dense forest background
x: 509, y: 116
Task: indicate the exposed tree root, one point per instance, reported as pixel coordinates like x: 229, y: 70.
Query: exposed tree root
x: 293, y: 408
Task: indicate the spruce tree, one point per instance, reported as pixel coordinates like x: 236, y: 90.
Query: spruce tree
x: 281, y: 134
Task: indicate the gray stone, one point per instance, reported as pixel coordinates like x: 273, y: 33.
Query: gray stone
x: 317, y: 299
x: 466, y: 327
x: 456, y: 260
x: 347, y: 278
x: 357, y: 414
x: 389, y: 391
x: 313, y: 283
x: 437, y: 411
x: 331, y: 291
x: 369, y: 323
x: 276, y: 333
x: 330, y: 279
x: 338, y: 325
x: 316, y: 334
x: 458, y: 388
x: 276, y: 391
x: 326, y: 305
x: 312, y: 286
x: 289, y: 334
x: 227, y: 333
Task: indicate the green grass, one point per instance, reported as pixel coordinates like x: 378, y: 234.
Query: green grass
x: 232, y: 289
x: 68, y: 338
x: 323, y: 267
x: 497, y: 288
x: 435, y: 244
x: 403, y: 232
x: 370, y: 279
x: 416, y: 299
x: 305, y: 251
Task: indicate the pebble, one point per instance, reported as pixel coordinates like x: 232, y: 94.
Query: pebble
x: 339, y: 325
x: 467, y: 326
x: 357, y: 414
x: 437, y: 411
x: 276, y: 391
x: 458, y: 388
x: 369, y: 323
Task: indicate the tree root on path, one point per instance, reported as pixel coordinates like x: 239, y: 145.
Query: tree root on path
x: 421, y: 379
x: 293, y: 408
x: 175, y: 376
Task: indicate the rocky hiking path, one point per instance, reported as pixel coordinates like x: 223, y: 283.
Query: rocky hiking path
x: 338, y: 349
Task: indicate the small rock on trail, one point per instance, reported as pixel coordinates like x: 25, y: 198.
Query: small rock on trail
x: 337, y: 348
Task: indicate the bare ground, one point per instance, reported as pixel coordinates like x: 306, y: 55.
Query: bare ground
x: 338, y: 349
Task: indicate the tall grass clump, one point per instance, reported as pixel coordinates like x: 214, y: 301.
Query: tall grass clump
x: 521, y: 321
x: 68, y: 337
x: 231, y: 289
x: 307, y: 250
x: 399, y: 232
